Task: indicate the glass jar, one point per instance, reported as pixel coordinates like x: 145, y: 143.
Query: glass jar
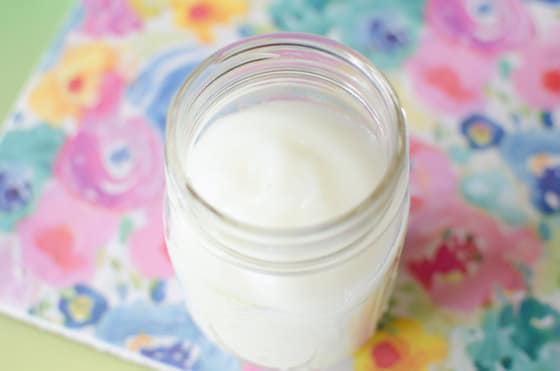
x: 299, y: 298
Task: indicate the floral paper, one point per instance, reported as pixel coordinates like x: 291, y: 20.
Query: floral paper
x: 81, y: 180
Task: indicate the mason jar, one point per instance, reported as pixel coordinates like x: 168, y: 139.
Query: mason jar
x: 303, y: 297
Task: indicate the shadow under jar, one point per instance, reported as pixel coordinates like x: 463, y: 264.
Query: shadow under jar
x: 304, y: 296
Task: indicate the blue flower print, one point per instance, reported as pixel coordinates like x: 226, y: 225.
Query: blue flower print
x: 177, y: 355
x: 481, y: 132
x: 156, y: 86
x: 163, y: 320
x: 26, y: 160
x: 15, y: 190
x: 384, y: 35
x: 82, y: 306
x: 385, y: 31
x: 546, y: 194
x: 523, y: 149
x: 535, y: 158
x: 301, y: 15
x: 521, y: 338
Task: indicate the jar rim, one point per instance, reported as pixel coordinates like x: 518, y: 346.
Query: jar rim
x: 302, y: 40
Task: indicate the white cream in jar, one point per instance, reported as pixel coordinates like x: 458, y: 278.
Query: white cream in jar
x: 285, y: 164
x: 286, y: 211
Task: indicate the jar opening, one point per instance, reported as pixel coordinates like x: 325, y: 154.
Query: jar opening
x: 247, y: 68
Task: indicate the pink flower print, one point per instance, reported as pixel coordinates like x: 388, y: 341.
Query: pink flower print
x: 109, y: 17
x: 60, y: 240
x: 147, y: 247
x: 486, y: 25
x: 449, y: 77
x: 461, y: 255
x: 115, y: 162
x: 432, y: 179
x: 537, y: 79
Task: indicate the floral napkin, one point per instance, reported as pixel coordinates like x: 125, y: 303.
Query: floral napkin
x: 81, y: 244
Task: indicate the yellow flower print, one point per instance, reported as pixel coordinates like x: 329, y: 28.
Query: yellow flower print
x: 201, y: 16
x: 73, y: 84
x: 80, y: 308
x: 405, y: 347
x: 148, y: 8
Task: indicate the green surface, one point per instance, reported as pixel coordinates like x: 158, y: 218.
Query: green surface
x: 26, y: 29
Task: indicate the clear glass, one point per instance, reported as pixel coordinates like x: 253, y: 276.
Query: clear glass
x: 301, y: 298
